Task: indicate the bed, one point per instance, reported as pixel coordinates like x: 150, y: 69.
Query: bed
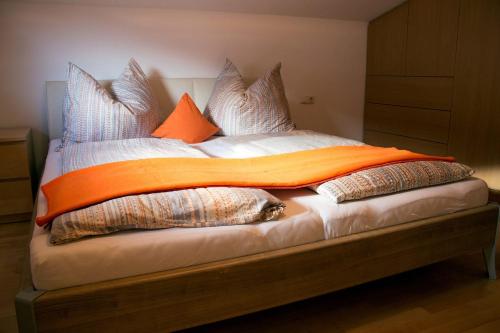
x: 316, y: 248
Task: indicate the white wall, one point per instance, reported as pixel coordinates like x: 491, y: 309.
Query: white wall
x: 321, y: 58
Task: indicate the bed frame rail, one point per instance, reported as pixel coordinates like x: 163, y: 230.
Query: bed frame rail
x: 187, y: 297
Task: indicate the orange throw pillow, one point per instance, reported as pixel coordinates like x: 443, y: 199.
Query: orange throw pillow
x: 186, y: 123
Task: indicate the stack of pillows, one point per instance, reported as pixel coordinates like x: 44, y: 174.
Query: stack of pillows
x: 130, y: 110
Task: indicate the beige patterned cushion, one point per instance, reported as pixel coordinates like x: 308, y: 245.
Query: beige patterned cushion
x: 260, y: 108
x: 92, y: 114
x: 193, y: 208
x: 392, y: 178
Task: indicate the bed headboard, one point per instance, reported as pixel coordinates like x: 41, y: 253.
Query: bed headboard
x: 168, y: 92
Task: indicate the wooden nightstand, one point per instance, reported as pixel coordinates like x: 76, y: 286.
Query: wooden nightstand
x: 16, y: 196
x: 494, y: 196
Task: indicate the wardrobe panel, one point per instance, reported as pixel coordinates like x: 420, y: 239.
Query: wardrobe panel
x: 423, y: 92
x: 387, y: 43
x: 475, y: 120
x: 418, y: 123
x: 432, y: 37
x: 390, y: 140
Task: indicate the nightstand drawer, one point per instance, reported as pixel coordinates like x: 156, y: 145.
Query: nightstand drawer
x: 15, y: 162
x: 15, y: 197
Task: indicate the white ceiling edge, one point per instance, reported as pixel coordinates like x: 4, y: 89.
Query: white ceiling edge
x: 355, y: 10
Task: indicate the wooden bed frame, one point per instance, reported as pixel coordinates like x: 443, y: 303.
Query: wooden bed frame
x: 187, y: 297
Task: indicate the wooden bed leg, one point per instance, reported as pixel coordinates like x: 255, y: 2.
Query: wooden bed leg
x: 489, y: 262
x: 489, y: 254
x: 25, y: 298
x: 25, y: 313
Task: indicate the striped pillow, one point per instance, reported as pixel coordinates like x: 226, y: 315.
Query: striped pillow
x: 260, y: 108
x: 91, y: 114
x: 191, y: 208
x: 392, y: 178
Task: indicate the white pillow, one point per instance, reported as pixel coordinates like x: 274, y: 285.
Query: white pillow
x: 92, y: 114
x: 260, y: 108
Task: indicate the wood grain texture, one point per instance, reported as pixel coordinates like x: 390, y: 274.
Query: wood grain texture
x: 15, y: 163
x: 403, y: 142
x: 475, y: 122
x: 422, y: 92
x: 15, y: 197
x: 13, y: 240
x: 426, y: 124
x: 15, y: 217
x: 454, y: 293
x: 432, y: 37
x: 494, y: 196
x: 14, y: 134
x: 16, y: 168
x: 191, y: 296
x: 387, y: 43
x: 450, y: 296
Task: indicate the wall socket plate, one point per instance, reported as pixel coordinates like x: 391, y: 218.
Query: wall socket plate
x: 308, y: 100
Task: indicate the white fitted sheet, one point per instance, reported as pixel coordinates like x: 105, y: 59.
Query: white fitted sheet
x: 309, y: 217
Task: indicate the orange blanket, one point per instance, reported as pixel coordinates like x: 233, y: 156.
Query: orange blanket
x: 96, y: 184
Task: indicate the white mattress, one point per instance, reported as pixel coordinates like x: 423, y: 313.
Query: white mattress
x: 309, y: 217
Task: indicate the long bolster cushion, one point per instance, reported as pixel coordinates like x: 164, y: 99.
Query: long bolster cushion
x: 192, y: 208
x: 392, y: 178
x: 84, y: 187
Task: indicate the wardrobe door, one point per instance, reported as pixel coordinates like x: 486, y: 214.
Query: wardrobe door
x: 387, y: 43
x: 475, y: 117
x: 432, y: 37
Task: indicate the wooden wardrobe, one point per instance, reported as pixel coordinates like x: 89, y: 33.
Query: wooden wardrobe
x: 433, y: 81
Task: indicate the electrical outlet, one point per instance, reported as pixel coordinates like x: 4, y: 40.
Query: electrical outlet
x: 308, y: 100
